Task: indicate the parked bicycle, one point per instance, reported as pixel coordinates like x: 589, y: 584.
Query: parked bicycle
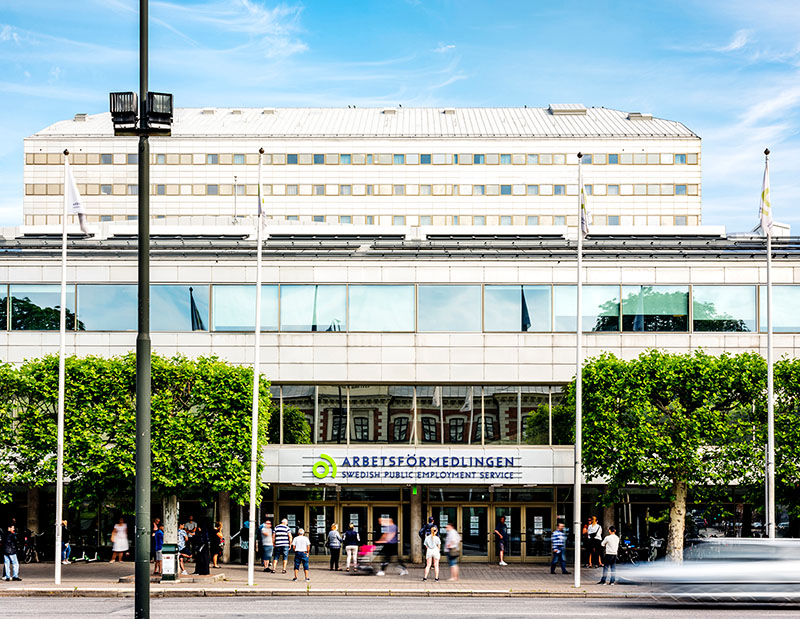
x: 628, y: 553
x: 655, y: 545
x: 30, y: 552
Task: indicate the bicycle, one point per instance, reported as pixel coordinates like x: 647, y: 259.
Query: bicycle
x: 655, y: 544
x: 627, y: 553
x: 30, y: 553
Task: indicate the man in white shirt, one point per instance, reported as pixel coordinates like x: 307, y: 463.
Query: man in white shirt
x: 301, y: 544
x: 610, y: 544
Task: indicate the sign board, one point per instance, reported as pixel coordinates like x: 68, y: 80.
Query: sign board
x: 538, y: 525
x: 408, y: 464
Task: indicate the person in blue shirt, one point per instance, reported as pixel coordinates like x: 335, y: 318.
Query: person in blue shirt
x: 157, y: 546
x: 559, y: 541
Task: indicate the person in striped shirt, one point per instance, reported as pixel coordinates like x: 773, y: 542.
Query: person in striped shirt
x: 559, y: 541
x: 283, y: 540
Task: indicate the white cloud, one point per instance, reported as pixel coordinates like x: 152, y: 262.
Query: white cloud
x: 7, y: 33
x: 442, y: 49
x: 740, y: 39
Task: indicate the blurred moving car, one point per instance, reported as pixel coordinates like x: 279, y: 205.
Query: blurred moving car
x: 726, y: 570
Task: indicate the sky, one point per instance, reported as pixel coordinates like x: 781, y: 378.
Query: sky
x: 728, y: 70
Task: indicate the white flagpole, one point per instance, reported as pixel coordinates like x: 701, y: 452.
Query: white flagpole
x: 256, y: 376
x: 578, y: 385
x: 771, y: 515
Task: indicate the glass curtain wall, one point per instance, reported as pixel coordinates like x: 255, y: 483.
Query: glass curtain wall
x: 179, y: 308
x: 600, y: 308
x: 723, y: 308
x: 449, y: 308
x: 785, y: 301
x: 38, y: 308
x: 234, y: 308
x: 3, y: 307
x: 655, y: 308
x: 313, y: 308
x: 108, y: 307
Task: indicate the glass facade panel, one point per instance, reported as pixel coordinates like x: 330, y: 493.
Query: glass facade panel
x: 179, y: 308
x: 313, y: 308
x: 3, y: 307
x: 655, y: 308
x: 38, y: 307
x: 376, y: 308
x: 108, y: 307
x: 449, y: 308
x: 234, y: 308
x: 517, y: 308
x: 600, y: 308
x: 724, y: 308
x: 785, y: 300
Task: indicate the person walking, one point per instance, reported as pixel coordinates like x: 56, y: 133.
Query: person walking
x: 10, y: 561
x: 351, y: 541
x: 594, y: 533
x: 301, y: 545
x: 335, y: 546
x: 432, y: 545
x: 501, y: 535
x: 153, y: 530
x: 610, y: 544
x: 184, y: 554
x: 559, y: 541
x: 65, y: 547
x: 158, y: 544
x: 119, y: 540
x: 388, y: 541
x: 452, y: 546
x: 201, y: 553
x: 283, y: 540
x: 267, y: 544
x: 217, y: 543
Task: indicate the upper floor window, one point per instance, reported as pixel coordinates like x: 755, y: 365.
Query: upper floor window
x: 559, y: 190
x: 399, y: 220
x: 533, y: 159
x: 680, y: 159
x: 478, y: 159
x: 456, y: 430
x: 399, y: 159
x: 613, y: 159
x: 361, y: 428
x: 505, y: 190
x: 133, y: 158
x: 106, y: 159
x: 505, y: 159
x: 291, y: 158
x: 559, y: 220
x: 400, y: 429
x: 161, y: 158
x: 212, y: 159
x: 425, y: 159
x: 429, y: 430
x: 319, y: 159
x: 238, y: 159
x: 586, y: 159
x: 345, y: 159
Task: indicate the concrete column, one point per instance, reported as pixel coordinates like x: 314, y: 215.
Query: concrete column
x: 171, y: 519
x: 416, y: 525
x: 608, y: 518
x: 224, y: 502
x: 32, y: 519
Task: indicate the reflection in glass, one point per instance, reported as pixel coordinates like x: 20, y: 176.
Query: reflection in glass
x: 179, y: 308
x: 3, y: 307
x: 449, y: 308
x: 517, y: 308
x: 600, y: 308
x: 234, y: 308
x: 785, y: 301
x: 655, y: 308
x: 313, y: 308
x: 377, y: 308
x: 108, y: 307
x: 723, y: 308
x: 38, y: 308
x: 332, y: 413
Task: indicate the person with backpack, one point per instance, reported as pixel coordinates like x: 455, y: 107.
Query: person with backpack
x: 425, y: 531
x: 594, y: 537
x: 351, y: 541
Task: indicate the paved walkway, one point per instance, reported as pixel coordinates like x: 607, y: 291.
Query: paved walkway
x: 93, y: 579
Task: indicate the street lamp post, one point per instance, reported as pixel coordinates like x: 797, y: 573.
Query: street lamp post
x: 154, y: 118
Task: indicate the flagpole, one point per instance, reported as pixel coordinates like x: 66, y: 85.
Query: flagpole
x: 578, y: 385
x: 62, y: 354
x: 770, y: 370
x: 256, y: 384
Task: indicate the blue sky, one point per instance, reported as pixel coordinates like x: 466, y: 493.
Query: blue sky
x: 728, y: 70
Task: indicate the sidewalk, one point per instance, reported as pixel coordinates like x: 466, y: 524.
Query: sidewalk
x: 476, y: 579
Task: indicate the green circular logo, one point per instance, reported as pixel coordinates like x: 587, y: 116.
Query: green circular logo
x: 324, y: 467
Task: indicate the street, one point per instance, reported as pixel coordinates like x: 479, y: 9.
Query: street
x: 369, y: 607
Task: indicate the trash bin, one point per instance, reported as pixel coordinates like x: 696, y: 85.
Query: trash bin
x: 169, y: 562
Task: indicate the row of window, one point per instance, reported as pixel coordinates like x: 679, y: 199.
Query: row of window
x: 404, y: 308
x: 215, y: 189
x: 370, y: 158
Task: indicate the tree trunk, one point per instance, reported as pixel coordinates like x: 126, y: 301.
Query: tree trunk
x: 677, y: 521
x: 224, y: 508
x: 608, y: 518
x: 32, y: 519
x: 171, y: 519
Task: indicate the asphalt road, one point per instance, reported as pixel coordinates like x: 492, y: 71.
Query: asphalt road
x: 372, y: 608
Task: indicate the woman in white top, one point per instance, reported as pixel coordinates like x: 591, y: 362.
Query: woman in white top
x: 433, y: 552
x: 119, y: 540
x: 595, y: 534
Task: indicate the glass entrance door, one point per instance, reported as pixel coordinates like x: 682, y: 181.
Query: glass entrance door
x: 357, y: 514
x: 295, y: 514
x: 320, y: 519
x: 379, y: 522
x: 538, y: 529
x: 475, y: 531
x: 444, y: 514
x: 513, y: 542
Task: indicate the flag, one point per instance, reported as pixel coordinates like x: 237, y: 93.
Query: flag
x: 765, y: 209
x: 526, y: 317
x: 437, y: 396
x: 467, y: 406
x: 72, y: 199
x: 586, y: 216
x: 197, y: 320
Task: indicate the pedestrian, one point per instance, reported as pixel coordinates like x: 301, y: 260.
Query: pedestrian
x: 610, y: 544
x: 217, y: 543
x: 351, y: 541
x: 452, y: 546
x: 388, y: 541
x: 65, y: 547
x: 191, y: 527
x: 559, y: 541
x: 501, y: 535
x: 184, y: 554
x: 433, y: 553
x: 283, y: 540
x: 335, y: 546
x: 153, y: 530
x: 201, y: 550
x: 10, y: 554
x: 158, y: 545
x: 267, y: 544
x: 119, y: 540
x: 301, y: 544
x: 594, y: 534
x: 426, y: 528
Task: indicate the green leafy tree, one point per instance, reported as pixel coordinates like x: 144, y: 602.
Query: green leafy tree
x: 538, y: 420
x: 26, y: 315
x: 296, y: 430
x: 672, y: 421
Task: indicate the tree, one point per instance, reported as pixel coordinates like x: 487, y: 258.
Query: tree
x: 296, y: 430
x: 29, y: 316
x: 673, y: 421
x: 538, y: 420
